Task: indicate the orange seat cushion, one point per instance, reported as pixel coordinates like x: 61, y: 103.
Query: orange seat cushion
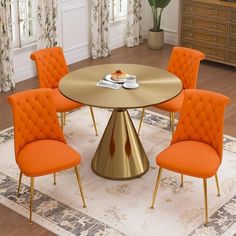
x: 192, y: 158
x: 62, y: 103
x: 173, y: 105
x: 45, y: 157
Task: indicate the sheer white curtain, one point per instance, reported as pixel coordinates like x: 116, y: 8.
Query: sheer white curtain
x: 134, y: 35
x: 47, y: 18
x: 6, y: 50
x: 100, y: 28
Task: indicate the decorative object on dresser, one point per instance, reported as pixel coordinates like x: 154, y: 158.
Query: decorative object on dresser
x: 210, y: 26
x: 156, y: 34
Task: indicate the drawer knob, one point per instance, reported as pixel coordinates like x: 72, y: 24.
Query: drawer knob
x: 191, y: 34
x: 190, y: 21
x: 217, y: 12
x: 215, y: 26
x: 215, y: 39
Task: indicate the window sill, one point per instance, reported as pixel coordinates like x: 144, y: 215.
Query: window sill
x: 26, y: 48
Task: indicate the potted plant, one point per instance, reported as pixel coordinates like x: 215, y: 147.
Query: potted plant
x: 156, y: 34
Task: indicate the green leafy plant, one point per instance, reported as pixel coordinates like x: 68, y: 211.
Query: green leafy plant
x: 157, y: 9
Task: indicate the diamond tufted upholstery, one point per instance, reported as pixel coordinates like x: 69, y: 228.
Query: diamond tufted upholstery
x: 34, y: 118
x: 202, y: 118
x: 184, y: 63
x: 40, y: 146
x: 196, y: 147
x: 51, y: 67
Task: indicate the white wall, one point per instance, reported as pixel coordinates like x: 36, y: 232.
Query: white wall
x: 23, y: 66
x: 73, y: 36
x: 74, y: 28
x: 169, y: 21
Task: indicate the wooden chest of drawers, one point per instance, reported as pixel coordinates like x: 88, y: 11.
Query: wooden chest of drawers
x: 210, y: 26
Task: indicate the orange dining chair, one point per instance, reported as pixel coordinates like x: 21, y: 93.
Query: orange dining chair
x: 196, y: 146
x: 184, y: 63
x: 51, y: 67
x: 40, y: 146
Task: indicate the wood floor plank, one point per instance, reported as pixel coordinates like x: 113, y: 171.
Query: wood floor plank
x: 13, y: 224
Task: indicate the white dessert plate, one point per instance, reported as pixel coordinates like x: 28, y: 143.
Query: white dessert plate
x: 120, y: 81
x: 125, y: 85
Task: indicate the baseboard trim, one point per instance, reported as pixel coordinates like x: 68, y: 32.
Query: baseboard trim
x: 170, y: 37
x: 117, y: 42
x: 24, y: 73
x: 77, y: 53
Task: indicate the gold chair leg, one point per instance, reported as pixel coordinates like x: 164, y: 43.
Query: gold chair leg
x: 156, y: 187
x: 54, y: 179
x: 182, y: 180
x: 80, y: 186
x: 217, y: 185
x: 170, y: 117
x: 62, y: 120
x: 141, y: 120
x: 31, y: 196
x: 172, y: 122
x: 205, y: 200
x: 94, y: 123
x: 19, y: 184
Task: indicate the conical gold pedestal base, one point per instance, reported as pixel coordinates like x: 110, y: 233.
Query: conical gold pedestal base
x: 120, y: 154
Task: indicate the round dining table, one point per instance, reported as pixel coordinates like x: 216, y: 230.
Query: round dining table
x: 120, y: 154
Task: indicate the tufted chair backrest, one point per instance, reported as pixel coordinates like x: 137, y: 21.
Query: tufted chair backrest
x: 51, y: 66
x: 202, y: 118
x: 184, y: 63
x: 34, y: 117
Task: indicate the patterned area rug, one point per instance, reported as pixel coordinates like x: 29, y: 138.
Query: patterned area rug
x: 122, y: 207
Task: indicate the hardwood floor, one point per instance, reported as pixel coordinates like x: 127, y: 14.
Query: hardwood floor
x: 212, y: 76
x: 13, y: 224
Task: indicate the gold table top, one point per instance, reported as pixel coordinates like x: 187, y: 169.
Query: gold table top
x: 155, y: 86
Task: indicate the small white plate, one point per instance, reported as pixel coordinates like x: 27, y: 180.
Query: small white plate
x: 108, y: 78
x: 125, y: 85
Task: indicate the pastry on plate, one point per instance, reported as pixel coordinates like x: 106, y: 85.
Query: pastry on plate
x: 118, y: 75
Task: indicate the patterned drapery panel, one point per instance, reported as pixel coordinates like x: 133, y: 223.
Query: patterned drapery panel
x: 6, y: 51
x: 134, y: 23
x: 100, y: 28
x: 47, y: 18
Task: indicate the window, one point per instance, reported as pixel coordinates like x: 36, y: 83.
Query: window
x: 118, y: 9
x: 24, y: 23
